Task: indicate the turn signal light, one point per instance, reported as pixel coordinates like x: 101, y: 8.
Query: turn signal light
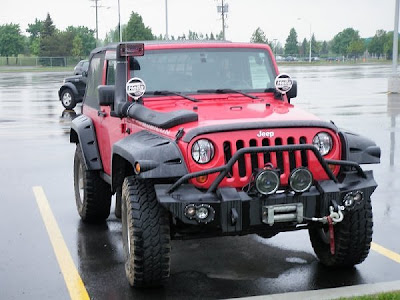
x: 201, y: 179
x: 137, y: 168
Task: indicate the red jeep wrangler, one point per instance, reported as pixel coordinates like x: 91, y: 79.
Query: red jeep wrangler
x: 200, y: 140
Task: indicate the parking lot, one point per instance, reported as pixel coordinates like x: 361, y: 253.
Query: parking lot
x: 36, y: 162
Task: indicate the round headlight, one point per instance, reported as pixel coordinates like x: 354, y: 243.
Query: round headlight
x: 267, y: 182
x: 323, y: 142
x: 202, y: 151
x: 300, y: 180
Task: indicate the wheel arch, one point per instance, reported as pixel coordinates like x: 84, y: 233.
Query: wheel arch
x: 359, y: 149
x: 159, y: 158
x: 83, y: 133
x: 70, y: 86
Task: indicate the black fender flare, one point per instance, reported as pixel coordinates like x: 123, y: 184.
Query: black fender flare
x: 359, y: 149
x: 83, y: 133
x: 159, y: 158
x: 68, y: 85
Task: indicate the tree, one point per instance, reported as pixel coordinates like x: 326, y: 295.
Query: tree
x: 34, y: 30
x: 388, y: 47
x: 87, y: 37
x: 11, y: 40
x: 258, y: 36
x: 315, y: 48
x: 324, y: 48
x: 77, y: 46
x: 48, y: 43
x: 291, y: 47
x: 377, y: 43
x: 356, y: 48
x: 135, y: 30
x: 343, y: 39
x: 303, y: 51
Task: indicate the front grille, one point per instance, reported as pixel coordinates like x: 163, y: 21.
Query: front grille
x: 285, y: 161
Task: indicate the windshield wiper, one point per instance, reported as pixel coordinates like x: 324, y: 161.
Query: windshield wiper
x: 227, y: 91
x: 166, y: 93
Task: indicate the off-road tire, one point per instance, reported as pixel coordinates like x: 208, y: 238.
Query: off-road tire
x: 145, y: 234
x: 352, y: 236
x: 92, y: 194
x: 68, y: 99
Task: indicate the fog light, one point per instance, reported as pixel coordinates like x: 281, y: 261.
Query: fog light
x: 267, y: 182
x: 202, y: 212
x: 300, y: 180
x: 190, y: 211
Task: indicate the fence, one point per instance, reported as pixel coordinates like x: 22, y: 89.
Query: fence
x: 39, y: 61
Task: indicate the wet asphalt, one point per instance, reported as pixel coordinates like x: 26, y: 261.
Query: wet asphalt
x: 35, y: 151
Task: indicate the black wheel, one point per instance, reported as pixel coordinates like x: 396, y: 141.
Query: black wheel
x: 352, y: 236
x: 92, y: 194
x: 68, y: 99
x: 145, y: 234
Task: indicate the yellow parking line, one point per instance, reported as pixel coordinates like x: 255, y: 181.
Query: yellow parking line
x: 73, y: 280
x: 386, y: 252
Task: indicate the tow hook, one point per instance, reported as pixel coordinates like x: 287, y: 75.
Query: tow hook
x: 335, y: 215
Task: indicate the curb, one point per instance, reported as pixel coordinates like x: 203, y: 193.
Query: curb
x: 334, y: 293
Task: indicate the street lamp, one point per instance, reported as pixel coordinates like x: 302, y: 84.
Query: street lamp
x: 309, y: 57
x: 166, y: 20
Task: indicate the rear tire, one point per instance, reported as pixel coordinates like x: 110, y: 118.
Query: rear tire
x: 92, y: 194
x: 145, y: 234
x: 353, y: 238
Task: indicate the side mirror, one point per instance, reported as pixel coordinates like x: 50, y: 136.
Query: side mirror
x: 106, y: 94
x: 84, y: 73
x: 293, y: 91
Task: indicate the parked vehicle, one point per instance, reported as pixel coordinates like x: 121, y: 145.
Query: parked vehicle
x: 201, y: 140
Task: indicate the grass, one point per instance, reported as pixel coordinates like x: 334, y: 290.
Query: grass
x: 382, y: 296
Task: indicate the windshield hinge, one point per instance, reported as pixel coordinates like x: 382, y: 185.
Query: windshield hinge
x: 179, y: 134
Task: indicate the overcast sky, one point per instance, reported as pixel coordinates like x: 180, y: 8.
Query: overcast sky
x: 274, y: 17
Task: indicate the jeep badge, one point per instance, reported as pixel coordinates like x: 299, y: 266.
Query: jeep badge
x: 135, y: 88
x: 283, y: 83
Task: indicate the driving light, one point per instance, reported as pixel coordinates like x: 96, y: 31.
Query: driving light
x: 203, y: 213
x: 202, y: 151
x: 323, y: 142
x: 190, y: 211
x: 267, y: 182
x: 300, y: 180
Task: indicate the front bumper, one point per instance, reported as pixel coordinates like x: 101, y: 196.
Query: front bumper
x: 235, y: 212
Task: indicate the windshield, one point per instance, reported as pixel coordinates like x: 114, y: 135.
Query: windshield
x: 191, y: 70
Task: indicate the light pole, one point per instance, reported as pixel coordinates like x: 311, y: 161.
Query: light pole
x: 309, y: 56
x: 119, y: 22
x: 394, y: 79
x: 395, y: 37
x: 166, y: 20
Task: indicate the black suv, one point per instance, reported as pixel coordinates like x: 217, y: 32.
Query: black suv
x: 73, y: 90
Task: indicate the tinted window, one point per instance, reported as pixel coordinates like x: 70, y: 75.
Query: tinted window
x: 189, y: 70
x: 95, y: 73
